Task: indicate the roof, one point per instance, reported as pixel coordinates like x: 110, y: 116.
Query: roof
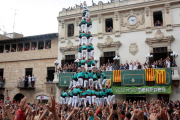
x: 50, y: 35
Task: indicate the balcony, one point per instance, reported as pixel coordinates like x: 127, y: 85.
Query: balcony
x: 2, y: 86
x: 25, y: 85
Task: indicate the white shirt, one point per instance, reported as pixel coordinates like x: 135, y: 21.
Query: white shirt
x: 168, y: 63
x: 130, y: 67
x: 29, y: 78
x: 33, y: 78
x: 135, y: 67
x: 110, y: 68
x: 19, y: 80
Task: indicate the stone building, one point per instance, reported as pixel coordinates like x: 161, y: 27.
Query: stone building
x: 135, y: 33
x: 21, y: 56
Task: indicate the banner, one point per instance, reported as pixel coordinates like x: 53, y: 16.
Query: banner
x: 142, y: 90
x: 133, y: 78
x: 150, y: 74
x: 109, y: 75
x: 160, y: 76
x: 168, y: 80
x: 109, y: 82
x: 65, y: 79
x: 117, y: 76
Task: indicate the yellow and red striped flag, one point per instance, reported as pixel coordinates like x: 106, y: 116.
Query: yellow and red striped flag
x: 117, y: 76
x: 160, y: 76
x: 149, y: 74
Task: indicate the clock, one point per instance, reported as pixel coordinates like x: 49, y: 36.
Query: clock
x: 132, y: 20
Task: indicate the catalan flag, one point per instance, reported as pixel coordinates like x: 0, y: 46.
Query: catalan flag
x: 117, y: 76
x: 149, y: 74
x: 160, y: 76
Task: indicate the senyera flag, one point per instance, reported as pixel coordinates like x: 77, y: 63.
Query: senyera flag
x: 149, y: 74
x: 160, y: 76
x: 117, y: 76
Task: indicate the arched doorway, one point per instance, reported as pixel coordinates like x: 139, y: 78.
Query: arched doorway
x: 42, y: 99
x: 2, y: 97
x: 18, y: 97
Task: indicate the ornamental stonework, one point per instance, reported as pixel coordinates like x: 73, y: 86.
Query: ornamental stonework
x: 133, y: 48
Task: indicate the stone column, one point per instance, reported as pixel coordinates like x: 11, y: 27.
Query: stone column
x: 4, y: 48
x: 37, y: 45
x: 30, y: 45
x: 44, y: 44
x: 148, y: 19
x: 76, y: 30
x: 116, y: 3
x: 16, y: 46
x: 167, y: 17
x: 100, y: 26
x: 116, y: 24
x: 23, y: 47
x: 10, y: 48
x: 63, y: 32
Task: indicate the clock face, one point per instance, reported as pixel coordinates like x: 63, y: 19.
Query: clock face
x: 132, y: 20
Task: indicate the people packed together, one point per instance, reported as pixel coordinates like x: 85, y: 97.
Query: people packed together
x: 26, y: 82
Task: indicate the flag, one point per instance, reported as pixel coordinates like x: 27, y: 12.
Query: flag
x: 117, y: 76
x: 160, y: 76
x: 149, y: 74
x: 109, y: 82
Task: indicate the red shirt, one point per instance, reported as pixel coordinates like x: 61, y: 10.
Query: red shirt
x: 122, y: 117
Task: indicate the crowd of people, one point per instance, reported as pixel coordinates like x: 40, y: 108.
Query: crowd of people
x: 119, y: 110
x: 26, y: 82
x: 2, y: 81
x: 158, y: 23
x: 109, y: 29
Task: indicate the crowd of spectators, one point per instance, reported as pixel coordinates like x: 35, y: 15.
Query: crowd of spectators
x: 67, y: 68
x: 2, y: 81
x: 26, y: 82
x: 119, y: 110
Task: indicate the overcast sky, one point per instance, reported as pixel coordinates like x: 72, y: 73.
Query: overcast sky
x: 34, y: 16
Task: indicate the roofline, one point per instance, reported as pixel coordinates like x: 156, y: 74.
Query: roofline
x: 50, y: 35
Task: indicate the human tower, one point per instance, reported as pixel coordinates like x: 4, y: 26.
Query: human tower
x: 85, y: 85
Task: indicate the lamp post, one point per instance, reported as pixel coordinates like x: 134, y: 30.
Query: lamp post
x: 76, y: 61
x: 148, y: 56
x: 96, y: 60
x: 56, y: 63
x: 116, y: 58
x: 174, y: 55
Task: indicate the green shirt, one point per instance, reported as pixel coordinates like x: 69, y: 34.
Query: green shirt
x: 70, y: 94
x: 90, y: 74
x: 92, y: 62
x: 89, y: 35
x: 75, y: 75
x: 81, y: 74
x: 90, y: 47
x: 83, y: 93
x: 88, y: 91
x: 65, y: 94
x: 88, y: 63
x: 96, y: 93
x: 100, y: 93
x: 83, y: 34
x: 84, y: 47
x: 76, y: 91
x: 103, y: 75
x: 90, y: 23
x: 79, y: 63
x: 104, y: 93
x: 93, y: 92
x: 110, y: 90
x: 83, y: 22
x: 80, y: 49
x: 98, y: 74
x: 95, y: 76
x: 83, y: 61
x: 86, y: 76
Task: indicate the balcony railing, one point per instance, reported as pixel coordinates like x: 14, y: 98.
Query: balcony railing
x: 24, y: 84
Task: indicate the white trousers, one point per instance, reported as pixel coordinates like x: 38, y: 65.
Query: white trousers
x: 87, y: 15
x: 83, y: 17
x: 99, y: 83
x: 80, y: 41
x: 104, y: 82
x: 80, y: 80
x: 66, y: 100
x: 62, y: 100
x: 84, y: 53
x: 90, y: 82
x: 74, y: 83
x: 101, y: 100
x: 97, y: 101
x: 88, y: 99
x: 29, y: 84
x: 112, y: 98
x: 75, y: 101
x: 88, y: 55
x: 90, y: 40
x: 80, y: 56
x: 77, y: 83
x: 89, y: 28
x: 79, y: 28
x: 89, y: 68
x: 70, y: 101
x: 85, y: 83
x: 93, y: 99
x: 95, y: 83
x: 106, y: 99
x: 84, y: 39
x: 92, y: 53
x: 83, y: 99
x: 83, y: 27
x: 71, y: 84
x: 79, y: 102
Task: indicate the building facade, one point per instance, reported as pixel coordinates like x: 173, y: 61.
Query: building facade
x: 22, y: 56
x: 137, y: 28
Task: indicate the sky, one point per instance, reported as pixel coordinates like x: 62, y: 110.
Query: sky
x: 34, y: 17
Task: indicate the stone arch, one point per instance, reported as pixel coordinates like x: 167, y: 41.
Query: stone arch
x: 13, y: 93
x: 18, y: 97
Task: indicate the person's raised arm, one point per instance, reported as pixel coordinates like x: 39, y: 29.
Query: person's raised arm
x: 73, y: 111
x: 119, y: 113
x: 110, y: 117
x: 8, y: 112
x: 43, y: 115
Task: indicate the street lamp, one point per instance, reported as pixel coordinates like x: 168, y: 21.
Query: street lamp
x: 148, y: 56
x: 76, y: 61
x: 96, y: 60
x: 116, y: 58
x: 56, y: 63
x: 174, y: 55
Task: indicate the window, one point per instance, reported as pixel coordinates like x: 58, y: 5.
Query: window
x: 7, y: 48
x: 109, y: 25
x: 69, y: 59
x: 108, y: 57
x: 158, y: 18
x: 70, y: 30
x: 48, y: 44
x: 33, y: 45
x: 50, y: 73
x: 1, y: 73
x: 20, y: 47
x: 1, y: 48
x: 13, y: 48
x: 41, y: 45
x: 28, y: 71
x: 26, y: 46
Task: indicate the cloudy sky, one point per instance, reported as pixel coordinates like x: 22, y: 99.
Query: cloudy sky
x: 34, y: 16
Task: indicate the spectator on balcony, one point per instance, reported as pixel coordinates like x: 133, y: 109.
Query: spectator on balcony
x: 23, y: 82
x: 168, y: 63
x: 6, y: 50
x: 18, y: 49
x: 47, y: 79
x: 158, y: 23
x: 19, y: 82
x: 174, y: 64
x: 13, y: 50
x: 25, y: 48
x: 33, y: 80
x: 26, y: 82
x: 3, y: 81
x: 40, y: 47
x: 29, y: 81
x: 139, y: 65
x: 33, y: 47
x: 110, y: 68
